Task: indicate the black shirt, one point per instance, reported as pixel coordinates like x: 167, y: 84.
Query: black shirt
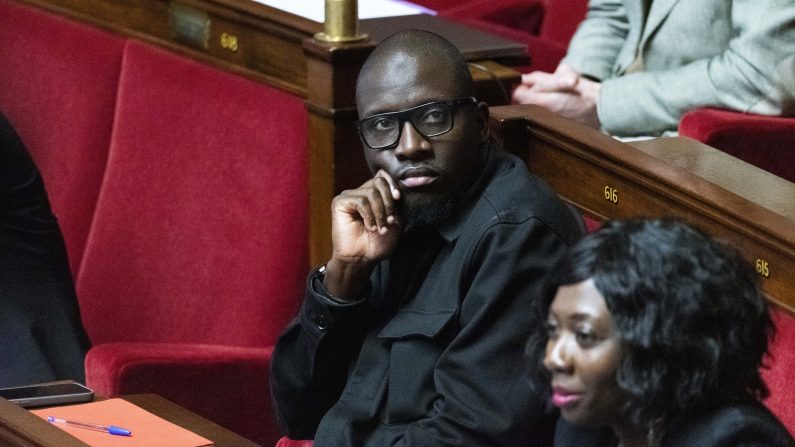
x: 732, y: 424
x: 434, y: 354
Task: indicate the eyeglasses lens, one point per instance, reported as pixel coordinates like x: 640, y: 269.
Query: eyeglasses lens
x: 429, y: 120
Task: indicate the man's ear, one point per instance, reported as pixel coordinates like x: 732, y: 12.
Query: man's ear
x: 482, y: 118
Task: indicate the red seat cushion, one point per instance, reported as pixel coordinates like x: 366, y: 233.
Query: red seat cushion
x: 58, y: 82
x: 767, y: 142
x: 228, y: 385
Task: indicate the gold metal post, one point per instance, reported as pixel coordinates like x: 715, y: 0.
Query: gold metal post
x: 342, y: 22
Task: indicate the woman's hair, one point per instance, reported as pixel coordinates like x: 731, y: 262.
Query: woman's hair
x: 692, y: 323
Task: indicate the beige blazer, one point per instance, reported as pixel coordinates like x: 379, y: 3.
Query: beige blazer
x: 658, y: 59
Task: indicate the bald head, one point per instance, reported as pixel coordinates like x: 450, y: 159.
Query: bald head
x: 415, y: 57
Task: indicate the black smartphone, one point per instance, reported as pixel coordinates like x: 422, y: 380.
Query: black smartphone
x: 47, y: 394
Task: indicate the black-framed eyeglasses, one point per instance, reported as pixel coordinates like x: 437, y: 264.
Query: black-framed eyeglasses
x: 383, y: 131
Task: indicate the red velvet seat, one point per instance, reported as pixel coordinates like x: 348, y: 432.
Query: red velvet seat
x: 58, y: 82
x: 198, y: 249
x: 287, y: 442
x: 767, y: 142
x: 781, y: 374
x: 545, y: 25
x: 525, y: 16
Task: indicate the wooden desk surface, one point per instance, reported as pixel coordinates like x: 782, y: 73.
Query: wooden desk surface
x: 189, y: 420
x: 20, y: 428
x: 739, y: 203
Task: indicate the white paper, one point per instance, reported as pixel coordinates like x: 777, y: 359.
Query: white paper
x: 368, y: 9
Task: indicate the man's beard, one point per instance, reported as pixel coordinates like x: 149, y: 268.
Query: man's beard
x: 430, y: 212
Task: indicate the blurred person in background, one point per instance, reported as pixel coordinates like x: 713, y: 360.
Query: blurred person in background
x: 634, y: 67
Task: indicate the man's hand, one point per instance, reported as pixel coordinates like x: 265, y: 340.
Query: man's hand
x: 365, y: 229
x: 564, y: 92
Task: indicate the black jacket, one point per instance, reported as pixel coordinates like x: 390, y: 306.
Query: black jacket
x: 41, y: 338
x: 730, y: 425
x: 434, y: 355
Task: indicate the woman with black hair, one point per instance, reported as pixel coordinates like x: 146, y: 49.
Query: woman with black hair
x: 655, y: 337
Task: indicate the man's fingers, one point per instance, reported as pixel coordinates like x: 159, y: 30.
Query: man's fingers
x: 390, y: 196
x: 386, y: 191
x: 357, y: 207
x: 372, y: 203
x: 393, y: 186
x: 371, y: 208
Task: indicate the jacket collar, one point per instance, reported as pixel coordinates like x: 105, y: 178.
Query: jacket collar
x: 659, y: 10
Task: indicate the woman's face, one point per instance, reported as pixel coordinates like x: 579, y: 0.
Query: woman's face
x: 583, y: 355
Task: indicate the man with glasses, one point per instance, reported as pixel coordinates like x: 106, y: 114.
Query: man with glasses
x: 413, y: 332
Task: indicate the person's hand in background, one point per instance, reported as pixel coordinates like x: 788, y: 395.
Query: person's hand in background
x: 564, y: 92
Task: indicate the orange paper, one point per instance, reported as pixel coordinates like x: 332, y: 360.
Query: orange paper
x: 147, y: 429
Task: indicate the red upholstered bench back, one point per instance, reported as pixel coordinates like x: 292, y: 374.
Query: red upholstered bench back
x: 767, y: 142
x: 200, y: 232
x: 182, y: 193
x: 561, y: 19
x: 546, y: 26
x: 58, y: 82
x: 780, y: 377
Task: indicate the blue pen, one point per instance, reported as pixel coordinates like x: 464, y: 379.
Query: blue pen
x: 112, y: 429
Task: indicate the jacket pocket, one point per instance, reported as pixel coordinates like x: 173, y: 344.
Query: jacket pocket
x: 408, y: 323
x: 416, y: 340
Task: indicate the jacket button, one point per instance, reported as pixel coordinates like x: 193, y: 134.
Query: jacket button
x: 322, y: 322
